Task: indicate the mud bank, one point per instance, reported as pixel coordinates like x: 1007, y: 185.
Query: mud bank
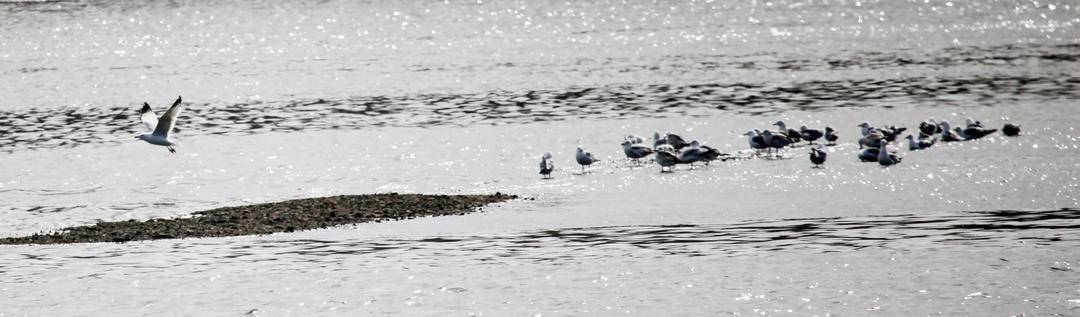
x: 285, y: 216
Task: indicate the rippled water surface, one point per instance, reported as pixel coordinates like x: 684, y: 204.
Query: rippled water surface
x: 314, y: 98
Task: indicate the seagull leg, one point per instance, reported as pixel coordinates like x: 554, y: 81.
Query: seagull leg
x: 171, y: 149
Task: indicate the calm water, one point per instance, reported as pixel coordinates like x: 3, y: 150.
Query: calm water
x: 302, y: 99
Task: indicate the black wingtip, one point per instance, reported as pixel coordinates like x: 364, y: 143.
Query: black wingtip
x: 145, y: 108
x: 178, y: 99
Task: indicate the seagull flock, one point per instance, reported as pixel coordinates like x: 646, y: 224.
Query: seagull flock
x: 875, y: 144
x: 671, y: 149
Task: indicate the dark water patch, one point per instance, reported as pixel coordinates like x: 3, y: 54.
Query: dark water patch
x: 70, y: 127
x: 286, y: 216
x: 815, y: 235
x: 52, y: 209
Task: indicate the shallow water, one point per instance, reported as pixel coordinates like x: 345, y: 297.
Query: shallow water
x: 290, y: 100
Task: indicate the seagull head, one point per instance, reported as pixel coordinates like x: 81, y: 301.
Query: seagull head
x: 910, y: 137
x: 579, y: 149
x: 779, y: 123
x: 695, y: 144
x: 864, y: 124
x: 803, y: 128
x: 546, y: 156
x: 829, y: 129
x: 750, y: 133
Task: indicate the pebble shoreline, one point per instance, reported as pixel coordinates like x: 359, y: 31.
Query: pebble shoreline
x: 285, y: 216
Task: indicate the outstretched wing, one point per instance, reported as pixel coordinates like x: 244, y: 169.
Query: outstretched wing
x: 168, y: 120
x: 148, y: 117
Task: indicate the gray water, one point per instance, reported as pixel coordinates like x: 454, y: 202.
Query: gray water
x: 306, y: 99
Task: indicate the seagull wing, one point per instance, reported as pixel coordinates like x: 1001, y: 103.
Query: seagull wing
x: 148, y: 117
x: 168, y: 120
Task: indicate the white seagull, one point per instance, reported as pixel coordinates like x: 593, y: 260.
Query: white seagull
x: 160, y: 127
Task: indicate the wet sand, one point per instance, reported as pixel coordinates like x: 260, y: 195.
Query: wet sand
x: 285, y: 216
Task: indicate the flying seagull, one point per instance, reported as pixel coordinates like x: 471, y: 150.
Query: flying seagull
x: 160, y: 127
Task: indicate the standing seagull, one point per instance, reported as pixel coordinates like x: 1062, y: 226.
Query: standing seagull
x: 885, y: 158
x: 817, y: 156
x: 975, y: 131
x: 869, y: 154
x: 693, y: 153
x: 666, y: 158
x: 929, y: 127
x: 676, y: 141
x: 584, y: 158
x: 547, y: 165
x: 657, y: 141
x: 810, y: 135
x: 635, y: 151
x: 791, y: 134
x: 919, y: 144
x: 710, y: 154
x: 757, y: 142
x: 776, y: 141
x: 160, y: 127
x: 830, y: 135
x: 947, y: 134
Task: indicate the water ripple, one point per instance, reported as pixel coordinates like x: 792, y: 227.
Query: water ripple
x: 814, y: 235
x: 69, y: 127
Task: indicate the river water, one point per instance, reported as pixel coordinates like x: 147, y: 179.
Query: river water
x: 314, y: 98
